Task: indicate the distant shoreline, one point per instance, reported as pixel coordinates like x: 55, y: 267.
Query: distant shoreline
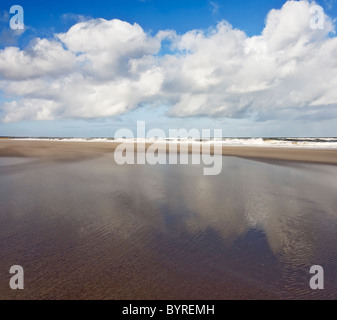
x: 270, y: 142
x: 72, y: 150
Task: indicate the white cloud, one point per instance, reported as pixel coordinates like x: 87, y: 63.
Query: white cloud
x: 289, y: 66
x: 103, y: 68
x: 43, y: 58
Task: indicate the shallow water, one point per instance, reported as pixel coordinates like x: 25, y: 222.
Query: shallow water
x: 93, y: 229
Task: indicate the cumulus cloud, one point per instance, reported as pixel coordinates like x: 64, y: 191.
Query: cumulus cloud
x: 289, y: 66
x: 103, y: 68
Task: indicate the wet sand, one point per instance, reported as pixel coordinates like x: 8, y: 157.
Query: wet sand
x: 67, y: 150
x: 83, y: 227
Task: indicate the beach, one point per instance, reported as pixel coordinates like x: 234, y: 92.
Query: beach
x: 67, y: 150
x: 83, y: 227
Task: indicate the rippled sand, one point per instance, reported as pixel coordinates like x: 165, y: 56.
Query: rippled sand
x: 86, y: 228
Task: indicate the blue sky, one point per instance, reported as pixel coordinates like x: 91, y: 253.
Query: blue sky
x: 44, y: 19
x: 180, y: 15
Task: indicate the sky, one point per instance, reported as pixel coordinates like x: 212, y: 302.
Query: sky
x: 257, y: 68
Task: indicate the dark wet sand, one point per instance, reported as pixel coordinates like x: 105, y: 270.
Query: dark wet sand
x: 85, y: 228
